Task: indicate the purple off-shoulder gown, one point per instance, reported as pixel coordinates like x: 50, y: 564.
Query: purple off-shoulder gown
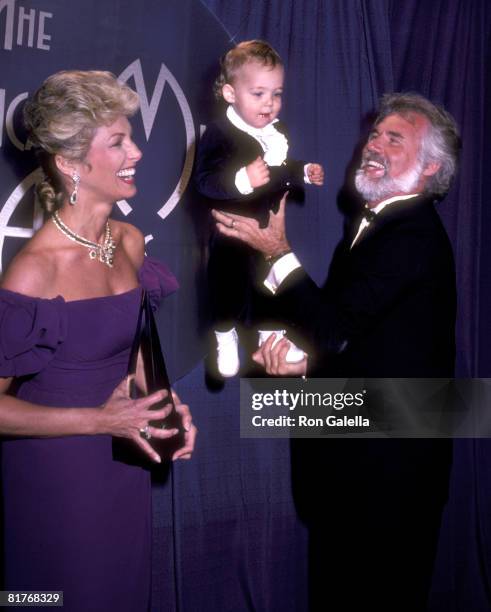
x: 74, y: 519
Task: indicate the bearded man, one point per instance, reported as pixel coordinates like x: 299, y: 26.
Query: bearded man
x: 387, y: 310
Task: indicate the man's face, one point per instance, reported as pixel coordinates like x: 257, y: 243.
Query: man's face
x: 256, y: 93
x: 391, y: 163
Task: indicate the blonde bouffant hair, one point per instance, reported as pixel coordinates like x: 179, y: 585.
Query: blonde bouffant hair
x: 62, y: 116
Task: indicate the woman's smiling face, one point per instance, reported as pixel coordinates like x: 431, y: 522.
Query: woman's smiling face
x: 108, y: 171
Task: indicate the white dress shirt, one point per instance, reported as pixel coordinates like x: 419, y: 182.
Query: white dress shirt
x: 273, y: 143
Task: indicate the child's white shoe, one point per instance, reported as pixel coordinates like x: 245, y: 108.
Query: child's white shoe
x: 294, y: 354
x: 228, y: 352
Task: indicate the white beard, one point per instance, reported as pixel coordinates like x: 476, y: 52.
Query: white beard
x: 375, y: 190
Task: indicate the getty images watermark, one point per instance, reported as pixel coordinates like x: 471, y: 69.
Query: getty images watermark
x: 356, y: 408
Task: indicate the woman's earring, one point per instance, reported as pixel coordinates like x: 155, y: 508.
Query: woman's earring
x: 74, y: 194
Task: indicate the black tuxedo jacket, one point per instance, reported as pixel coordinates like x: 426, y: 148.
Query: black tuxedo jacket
x: 222, y: 151
x: 387, y: 310
x: 388, y: 307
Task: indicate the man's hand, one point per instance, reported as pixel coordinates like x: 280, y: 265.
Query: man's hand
x: 258, y: 172
x: 273, y: 358
x: 270, y: 240
x: 315, y: 172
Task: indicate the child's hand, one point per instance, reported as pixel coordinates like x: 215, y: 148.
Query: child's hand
x: 315, y: 172
x: 258, y: 172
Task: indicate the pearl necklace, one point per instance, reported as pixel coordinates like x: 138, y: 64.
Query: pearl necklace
x: 104, y: 252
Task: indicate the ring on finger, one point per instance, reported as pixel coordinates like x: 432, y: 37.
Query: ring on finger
x: 232, y: 225
x: 145, y: 432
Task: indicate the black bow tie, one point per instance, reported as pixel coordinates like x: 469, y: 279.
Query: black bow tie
x: 369, y: 215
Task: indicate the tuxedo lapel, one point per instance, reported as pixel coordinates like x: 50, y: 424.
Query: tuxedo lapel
x: 246, y: 148
x: 395, y: 211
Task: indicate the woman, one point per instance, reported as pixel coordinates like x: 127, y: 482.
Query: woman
x: 75, y: 519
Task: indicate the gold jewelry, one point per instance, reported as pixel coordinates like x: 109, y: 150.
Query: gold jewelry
x: 104, y: 251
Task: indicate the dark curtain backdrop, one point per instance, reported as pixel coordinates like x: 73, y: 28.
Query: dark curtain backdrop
x: 340, y: 57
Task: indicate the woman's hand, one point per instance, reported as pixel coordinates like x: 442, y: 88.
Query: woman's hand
x: 124, y: 417
x: 190, y: 430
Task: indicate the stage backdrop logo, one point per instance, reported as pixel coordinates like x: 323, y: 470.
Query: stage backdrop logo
x: 168, y: 53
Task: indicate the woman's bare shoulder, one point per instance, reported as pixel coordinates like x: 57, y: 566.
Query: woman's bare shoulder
x: 132, y: 241
x: 32, y: 270
x: 29, y: 273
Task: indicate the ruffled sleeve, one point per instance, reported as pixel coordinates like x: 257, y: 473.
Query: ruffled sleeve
x: 31, y: 330
x: 157, y: 279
